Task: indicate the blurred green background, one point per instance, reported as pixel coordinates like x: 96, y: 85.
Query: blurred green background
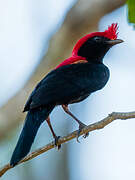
x: 131, y: 11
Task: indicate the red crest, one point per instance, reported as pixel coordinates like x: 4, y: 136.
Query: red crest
x: 110, y: 33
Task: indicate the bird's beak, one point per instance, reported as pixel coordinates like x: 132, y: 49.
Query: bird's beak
x: 114, y: 42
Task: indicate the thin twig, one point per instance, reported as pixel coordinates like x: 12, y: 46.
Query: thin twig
x: 95, y: 126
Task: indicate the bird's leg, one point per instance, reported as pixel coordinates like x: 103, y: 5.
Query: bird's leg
x: 81, y: 125
x: 53, y: 133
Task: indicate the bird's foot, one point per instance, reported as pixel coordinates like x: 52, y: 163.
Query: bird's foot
x: 56, y: 142
x: 81, y: 126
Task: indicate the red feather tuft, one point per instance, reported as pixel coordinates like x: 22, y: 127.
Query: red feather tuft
x: 110, y: 33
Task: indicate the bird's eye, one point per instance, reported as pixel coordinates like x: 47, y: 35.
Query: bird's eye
x: 97, y: 39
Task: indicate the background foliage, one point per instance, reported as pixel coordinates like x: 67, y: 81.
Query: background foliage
x: 131, y: 11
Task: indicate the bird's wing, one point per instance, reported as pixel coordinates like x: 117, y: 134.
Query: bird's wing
x: 60, y: 85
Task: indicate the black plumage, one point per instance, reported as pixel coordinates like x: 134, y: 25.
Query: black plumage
x: 67, y: 84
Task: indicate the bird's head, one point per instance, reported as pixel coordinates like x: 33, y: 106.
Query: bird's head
x: 95, y: 45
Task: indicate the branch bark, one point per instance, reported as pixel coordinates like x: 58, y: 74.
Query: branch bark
x: 95, y: 126
x: 81, y: 19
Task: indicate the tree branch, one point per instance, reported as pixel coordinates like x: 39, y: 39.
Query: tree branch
x: 95, y: 126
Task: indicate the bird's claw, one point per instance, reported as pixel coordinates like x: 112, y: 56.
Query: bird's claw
x: 81, y: 126
x: 86, y: 135
x: 78, y: 134
x: 56, y: 142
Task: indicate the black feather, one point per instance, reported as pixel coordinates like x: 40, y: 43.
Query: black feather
x: 32, y: 123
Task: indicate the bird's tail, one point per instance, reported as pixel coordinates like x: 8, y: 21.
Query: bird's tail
x: 32, y: 123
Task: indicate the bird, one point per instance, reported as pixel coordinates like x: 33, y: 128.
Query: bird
x: 72, y: 81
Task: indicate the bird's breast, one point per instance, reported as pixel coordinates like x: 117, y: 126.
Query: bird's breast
x: 97, y: 78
